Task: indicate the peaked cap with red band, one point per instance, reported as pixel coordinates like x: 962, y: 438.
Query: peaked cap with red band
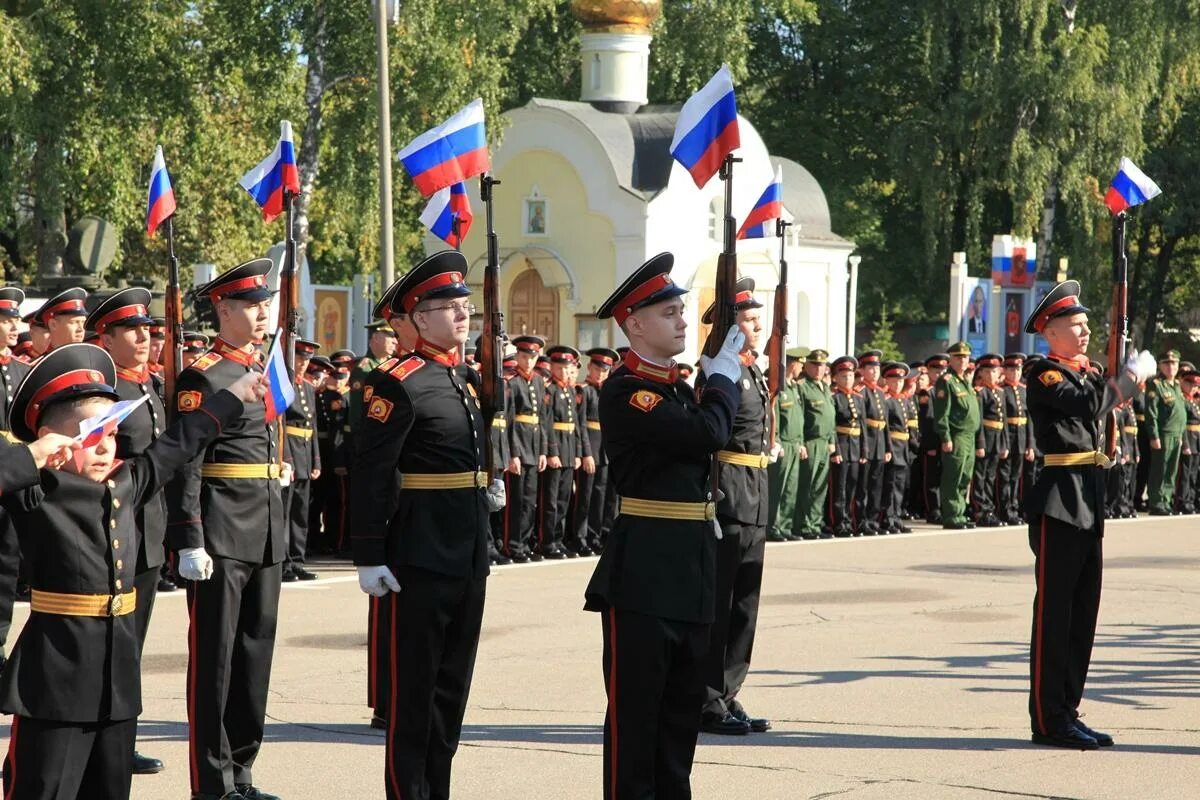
x: 743, y: 300
x: 246, y: 281
x: 603, y: 357
x: 989, y: 360
x: 1062, y: 299
x: 68, y: 303
x: 895, y: 369
x: 870, y: 358
x: 307, y: 347
x: 194, y: 342
x: 649, y: 285
x: 439, y: 276
x: 843, y: 364
x: 10, y: 301
x: 69, y: 372
x: 528, y: 343
x: 128, y: 307
x: 563, y: 354
x: 158, y: 327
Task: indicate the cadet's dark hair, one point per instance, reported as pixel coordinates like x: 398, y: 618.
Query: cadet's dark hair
x: 62, y: 413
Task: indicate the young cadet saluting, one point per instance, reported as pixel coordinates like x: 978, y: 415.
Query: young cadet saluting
x: 1067, y: 403
x: 425, y: 547
x: 74, y: 679
x: 655, y: 583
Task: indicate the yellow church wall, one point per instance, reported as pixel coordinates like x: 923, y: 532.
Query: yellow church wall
x: 581, y: 239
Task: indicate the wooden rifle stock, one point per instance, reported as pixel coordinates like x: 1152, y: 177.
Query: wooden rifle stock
x: 289, y: 299
x: 173, y: 346
x: 776, y: 344
x: 491, y: 345
x: 1118, y: 333
x: 725, y: 301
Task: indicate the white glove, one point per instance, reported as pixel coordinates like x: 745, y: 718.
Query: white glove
x: 285, y: 474
x: 717, y: 530
x: 496, y: 496
x: 377, y: 581
x: 776, y: 452
x: 1142, y: 366
x: 726, y: 362
x: 195, y: 564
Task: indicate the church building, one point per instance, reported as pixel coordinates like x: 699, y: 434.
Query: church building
x: 589, y: 191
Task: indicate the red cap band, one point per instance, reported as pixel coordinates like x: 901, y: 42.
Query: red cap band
x: 240, y: 285
x: 645, y: 291
x: 1040, y: 323
x: 64, y: 381
x: 10, y: 304
x: 423, y: 288
x: 125, y: 312
x: 74, y: 307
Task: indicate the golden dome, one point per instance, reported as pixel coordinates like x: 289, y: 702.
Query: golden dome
x: 617, y: 16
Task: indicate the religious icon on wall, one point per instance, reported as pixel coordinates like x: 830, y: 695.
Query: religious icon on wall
x: 535, y: 214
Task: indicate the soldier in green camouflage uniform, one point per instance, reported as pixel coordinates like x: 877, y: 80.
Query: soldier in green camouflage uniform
x: 789, y: 435
x: 1166, y: 417
x: 956, y: 421
x: 817, y: 413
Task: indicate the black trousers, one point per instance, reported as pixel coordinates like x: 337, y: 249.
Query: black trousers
x: 983, y: 485
x: 1185, y: 484
x: 868, y: 494
x: 64, y: 760
x: 580, y: 505
x: 914, y: 493
x: 932, y: 465
x: 1143, y: 467
x: 740, y: 553
x: 10, y: 568
x: 1008, y: 484
x: 1119, y: 489
x: 655, y: 685
x: 379, y: 634
x: 844, y: 484
x: 609, y: 509
x: 521, y: 510
x: 895, y: 488
x: 1068, y: 565
x: 231, y: 641
x: 555, y: 498
x: 298, y: 494
x: 431, y: 654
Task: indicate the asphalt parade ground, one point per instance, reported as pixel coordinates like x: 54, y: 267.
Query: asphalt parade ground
x: 893, y: 667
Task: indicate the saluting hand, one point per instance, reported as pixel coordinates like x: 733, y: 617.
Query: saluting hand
x: 52, y: 450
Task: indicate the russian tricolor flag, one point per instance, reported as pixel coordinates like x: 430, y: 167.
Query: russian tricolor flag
x: 275, y: 173
x: 280, y: 391
x: 450, y: 153
x: 444, y: 207
x: 768, y: 209
x: 93, y: 429
x: 1130, y: 188
x: 707, y: 129
x: 161, y: 202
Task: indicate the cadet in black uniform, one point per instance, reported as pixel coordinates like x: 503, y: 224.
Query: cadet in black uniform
x: 587, y: 508
x: 1067, y: 403
x: 742, y: 513
x: 1189, y: 457
x: 1020, y: 441
x: 566, y: 447
x: 895, y: 481
x: 654, y: 584
x: 527, y: 451
x: 304, y: 454
x: 228, y: 525
x: 991, y: 441
x: 122, y: 322
x: 74, y: 679
x: 847, y: 456
x: 1121, y: 477
x: 63, y: 316
x: 424, y: 547
x: 12, y: 370
x: 877, y: 446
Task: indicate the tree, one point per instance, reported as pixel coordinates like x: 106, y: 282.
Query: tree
x: 883, y: 338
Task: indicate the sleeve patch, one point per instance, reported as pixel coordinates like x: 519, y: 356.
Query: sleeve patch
x: 205, y: 361
x: 645, y: 400
x: 387, y: 364
x: 368, y: 393
x: 380, y: 409
x: 1050, y: 377
x: 187, y: 401
x: 406, y: 367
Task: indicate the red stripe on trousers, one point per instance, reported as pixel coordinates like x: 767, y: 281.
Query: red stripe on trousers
x: 373, y: 650
x: 1037, y: 647
x: 11, y: 766
x: 394, y: 710
x: 612, y: 701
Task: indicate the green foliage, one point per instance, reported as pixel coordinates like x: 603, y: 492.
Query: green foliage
x: 883, y: 338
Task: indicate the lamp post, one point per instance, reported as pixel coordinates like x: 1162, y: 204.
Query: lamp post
x: 852, y: 311
x: 385, y: 13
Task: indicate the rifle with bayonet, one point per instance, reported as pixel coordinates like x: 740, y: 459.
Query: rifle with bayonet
x: 491, y: 343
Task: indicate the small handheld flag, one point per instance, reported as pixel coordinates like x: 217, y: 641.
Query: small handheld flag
x: 161, y: 201
x: 768, y: 208
x: 1131, y: 187
x: 275, y: 173
x: 93, y: 429
x: 445, y: 207
x: 707, y: 129
x: 280, y: 391
x: 450, y: 153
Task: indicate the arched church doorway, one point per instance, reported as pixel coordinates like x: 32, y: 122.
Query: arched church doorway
x: 532, y: 307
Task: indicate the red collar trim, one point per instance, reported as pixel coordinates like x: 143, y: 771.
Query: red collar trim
x: 236, y: 354
x: 447, y: 358
x: 137, y: 374
x: 650, y: 371
x: 746, y: 358
x: 1079, y: 364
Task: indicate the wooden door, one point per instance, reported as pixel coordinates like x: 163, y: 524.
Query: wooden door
x: 532, y: 307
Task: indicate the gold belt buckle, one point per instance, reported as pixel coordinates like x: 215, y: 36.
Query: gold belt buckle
x: 115, y: 604
x: 710, y: 511
x: 763, y: 460
x: 480, y: 479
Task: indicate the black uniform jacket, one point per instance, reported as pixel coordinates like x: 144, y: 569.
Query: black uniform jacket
x: 589, y: 417
x: 992, y: 436
x: 527, y: 438
x: 564, y: 432
x: 660, y: 444
x: 12, y: 372
x: 745, y: 488
x: 134, y: 435
x: 1067, y: 406
x: 331, y: 418
x: 897, y: 420
x: 238, y: 518
x: 848, y: 408
x: 876, y: 442
x: 1016, y: 407
x: 17, y: 470
x: 303, y: 453
x: 420, y: 416
x: 79, y: 537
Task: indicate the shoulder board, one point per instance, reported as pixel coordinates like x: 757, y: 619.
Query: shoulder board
x: 406, y: 367
x: 205, y: 361
x: 364, y: 364
x: 387, y: 364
